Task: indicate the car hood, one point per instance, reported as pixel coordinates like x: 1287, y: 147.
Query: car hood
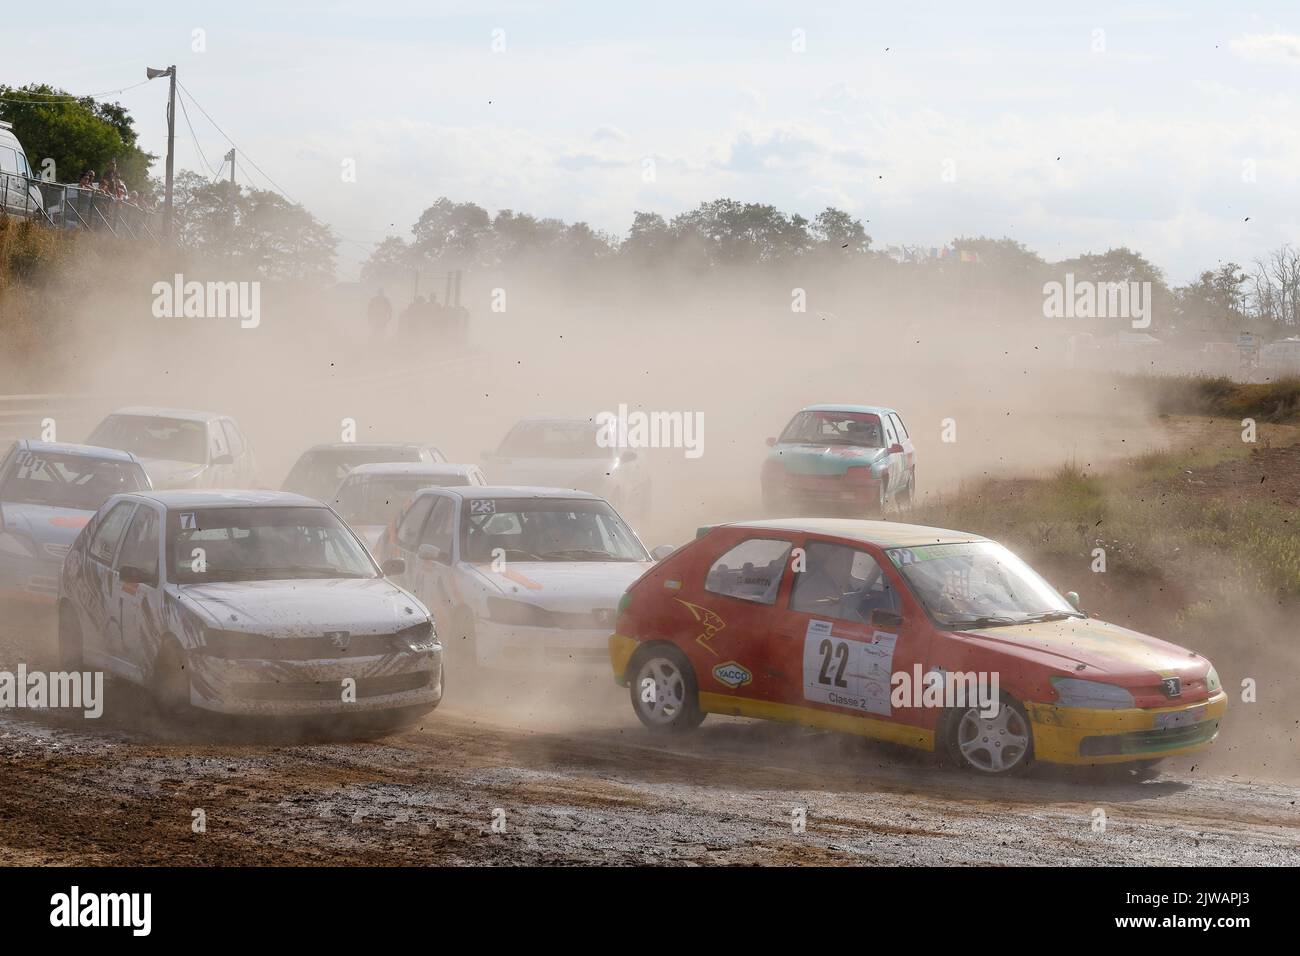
x: 359, y: 606
x: 581, y: 473
x: 1105, y: 651
x: 825, y: 459
x: 56, y: 527
x: 562, y: 585
x: 165, y: 473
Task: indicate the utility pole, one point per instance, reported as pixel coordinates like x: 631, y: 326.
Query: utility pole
x: 151, y: 73
x: 230, y: 158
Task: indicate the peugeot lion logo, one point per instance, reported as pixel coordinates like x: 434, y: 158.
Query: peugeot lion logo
x: 1173, y: 686
x: 340, y: 639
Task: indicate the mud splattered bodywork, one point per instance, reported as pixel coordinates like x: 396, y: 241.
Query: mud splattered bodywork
x: 259, y: 641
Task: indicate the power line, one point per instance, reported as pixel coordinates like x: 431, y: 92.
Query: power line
x: 248, y: 158
x: 186, y: 114
x: 55, y: 97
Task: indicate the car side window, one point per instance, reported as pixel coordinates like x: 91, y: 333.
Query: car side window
x: 217, y: 445
x: 104, y: 543
x: 751, y: 571
x: 898, y: 424
x: 234, y: 440
x: 140, y: 550
x: 841, y: 582
x: 439, y: 529
x: 408, y: 531
x: 890, y: 437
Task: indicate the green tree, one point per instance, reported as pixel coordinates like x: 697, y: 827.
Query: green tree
x: 76, y: 133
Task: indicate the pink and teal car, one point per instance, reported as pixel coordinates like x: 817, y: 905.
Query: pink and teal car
x: 842, y: 458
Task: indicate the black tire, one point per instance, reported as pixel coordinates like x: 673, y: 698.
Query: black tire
x: 674, y: 706
x: 966, y: 734
x: 170, y: 682
x: 70, y: 647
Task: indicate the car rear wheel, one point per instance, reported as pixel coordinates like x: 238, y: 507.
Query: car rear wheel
x: 70, y: 645
x: 664, y: 692
x: 1002, y: 744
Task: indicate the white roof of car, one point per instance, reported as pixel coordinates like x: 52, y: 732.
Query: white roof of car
x: 234, y: 498
x: 417, y: 468
x: 153, y: 411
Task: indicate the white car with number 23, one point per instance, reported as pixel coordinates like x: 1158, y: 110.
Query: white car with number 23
x: 518, y: 576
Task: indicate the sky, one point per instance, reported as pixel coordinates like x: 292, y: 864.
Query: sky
x: 1171, y: 128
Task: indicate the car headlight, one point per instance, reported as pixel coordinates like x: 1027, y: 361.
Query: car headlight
x: 1073, y: 692
x: 418, y: 637
x: 1212, y: 680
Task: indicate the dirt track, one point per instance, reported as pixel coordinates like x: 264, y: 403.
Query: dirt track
x: 589, y: 792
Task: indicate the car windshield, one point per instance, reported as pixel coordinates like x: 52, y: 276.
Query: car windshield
x: 552, y: 440
x: 68, y: 481
x: 977, y: 584
x: 860, y: 429
x: 262, y: 544
x: 367, y: 500
x: 541, y: 529
x: 147, y: 436
x: 318, y: 473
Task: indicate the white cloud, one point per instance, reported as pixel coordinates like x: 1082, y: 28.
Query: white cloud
x: 1269, y: 47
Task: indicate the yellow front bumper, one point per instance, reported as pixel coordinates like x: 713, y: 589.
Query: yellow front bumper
x: 1075, y: 735
x: 621, y: 650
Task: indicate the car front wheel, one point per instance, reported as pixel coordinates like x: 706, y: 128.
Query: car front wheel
x: 663, y: 691
x: 997, y: 745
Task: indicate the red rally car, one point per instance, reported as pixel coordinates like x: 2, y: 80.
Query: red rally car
x: 934, y: 639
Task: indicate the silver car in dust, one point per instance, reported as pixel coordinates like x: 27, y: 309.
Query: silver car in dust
x: 244, y: 603
x: 518, y: 577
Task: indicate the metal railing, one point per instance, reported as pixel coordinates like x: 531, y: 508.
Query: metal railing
x: 76, y: 207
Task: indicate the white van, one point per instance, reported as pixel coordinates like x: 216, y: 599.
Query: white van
x: 19, y: 195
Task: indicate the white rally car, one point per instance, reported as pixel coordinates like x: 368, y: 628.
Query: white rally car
x: 517, y: 576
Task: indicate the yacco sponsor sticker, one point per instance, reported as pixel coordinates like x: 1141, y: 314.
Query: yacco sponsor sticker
x: 929, y: 552
x: 732, y: 674
x: 847, y: 672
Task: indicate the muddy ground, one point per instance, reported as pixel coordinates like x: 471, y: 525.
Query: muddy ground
x: 598, y: 791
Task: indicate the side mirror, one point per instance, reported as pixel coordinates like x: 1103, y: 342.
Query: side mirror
x: 882, y: 618
x: 662, y: 551
x: 133, y: 575
x: 393, y: 567
x: 429, y: 552
x: 226, y: 459
x: 771, y: 443
x: 1073, y: 598
x: 896, y: 449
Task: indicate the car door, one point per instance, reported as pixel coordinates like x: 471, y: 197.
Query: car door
x: 831, y: 653
x: 139, y: 599
x: 405, y: 540
x: 727, y: 617
x: 895, y: 466
x: 431, y: 577
x: 909, y: 449
x: 102, y: 608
